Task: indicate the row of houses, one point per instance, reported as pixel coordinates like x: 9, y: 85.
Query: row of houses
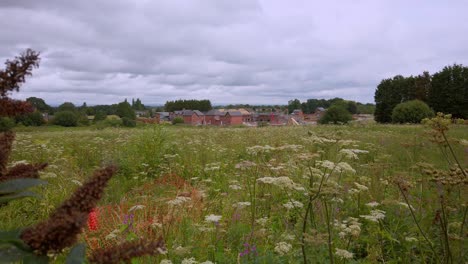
x: 221, y: 117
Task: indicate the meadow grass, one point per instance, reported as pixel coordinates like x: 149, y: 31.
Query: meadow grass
x: 260, y: 195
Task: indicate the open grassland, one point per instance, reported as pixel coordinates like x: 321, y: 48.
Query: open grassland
x: 355, y: 194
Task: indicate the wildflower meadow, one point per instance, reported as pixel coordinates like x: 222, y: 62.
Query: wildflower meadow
x: 360, y: 193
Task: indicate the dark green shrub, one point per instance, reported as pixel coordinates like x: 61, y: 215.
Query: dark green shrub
x: 99, y: 116
x: 336, y: 114
x: 66, y: 119
x: 127, y: 122
x: 83, y: 119
x: 31, y: 119
x: 6, y: 124
x: 411, y: 112
x: 177, y: 120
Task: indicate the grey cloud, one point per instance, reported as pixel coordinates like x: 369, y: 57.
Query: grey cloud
x: 267, y: 51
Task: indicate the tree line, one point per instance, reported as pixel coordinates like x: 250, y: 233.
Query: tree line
x: 311, y: 105
x: 445, y: 91
x: 202, y: 105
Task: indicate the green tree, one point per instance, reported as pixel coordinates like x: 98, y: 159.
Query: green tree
x: 66, y: 119
x: 449, y: 91
x: 389, y: 93
x: 351, y: 106
x: 411, y: 112
x: 124, y: 109
x: 293, y: 105
x: 336, y: 114
x: 39, y: 104
x: 67, y: 106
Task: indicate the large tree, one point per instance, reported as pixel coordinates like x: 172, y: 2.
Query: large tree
x: 39, y: 104
x: 389, y: 93
x: 449, y: 91
x: 124, y: 110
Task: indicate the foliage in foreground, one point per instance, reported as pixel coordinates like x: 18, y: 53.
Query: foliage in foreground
x: 37, y: 243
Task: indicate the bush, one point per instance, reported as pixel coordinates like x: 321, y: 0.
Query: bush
x: 66, y: 119
x: 411, y: 112
x: 6, y: 124
x: 127, y: 122
x: 83, y: 119
x: 336, y: 114
x: 99, y: 116
x: 31, y: 119
x: 177, y: 120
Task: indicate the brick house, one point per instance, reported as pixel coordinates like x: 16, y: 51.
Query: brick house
x: 298, y: 115
x: 191, y: 117
x: 222, y: 117
x: 272, y: 118
x: 233, y: 118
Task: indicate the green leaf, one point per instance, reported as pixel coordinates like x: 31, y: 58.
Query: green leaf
x: 13, y: 186
x: 35, y: 259
x: 13, y: 238
x: 12, y: 254
x: 15, y: 196
x: 77, y: 254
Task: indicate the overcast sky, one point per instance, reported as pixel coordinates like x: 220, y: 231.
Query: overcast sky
x: 228, y: 51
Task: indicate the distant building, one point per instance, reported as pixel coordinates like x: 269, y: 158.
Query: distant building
x: 163, y: 116
x: 191, y: 117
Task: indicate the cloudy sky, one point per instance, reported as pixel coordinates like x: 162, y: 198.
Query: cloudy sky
x: 228, y: 51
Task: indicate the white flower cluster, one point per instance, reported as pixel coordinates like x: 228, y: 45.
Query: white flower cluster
x: 464, y: 142
x: 241, y: 205
x: 259, y: 149
x: 245, y: 164
x: 179, y: 200
x: 326, y: 164
x: 352, y: 153
x: 345, y: 167
x: 348, y: 228
x: 374, y: 216
x: 359, y: 188
x: 293, y: 204
x: 235, y: 187
x: 283, y: 182
x: 319, y: 140
x: 372, y: 204
x: 212, y: 218
x: 343, y: 254
x: 282, y: 248
x: 262, y: 221
x: 189, y: 261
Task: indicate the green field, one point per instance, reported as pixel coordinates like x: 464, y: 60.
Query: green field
x: 241, y: 195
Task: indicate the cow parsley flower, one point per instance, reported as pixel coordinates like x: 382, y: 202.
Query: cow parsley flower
x: 212, y: 218
x: 343, y: 254
x: 179, y: 200
x: 189, y: 261
x: 282, y: 248
x: 374, y: 216
x: 293, y: 204
x: 372, y: 204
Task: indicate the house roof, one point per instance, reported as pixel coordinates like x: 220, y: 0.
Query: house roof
x: 163, y: 113
x: 234, y: 113
x: 320, y: 109
x: 214, y: 112
x: 189, y: 112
